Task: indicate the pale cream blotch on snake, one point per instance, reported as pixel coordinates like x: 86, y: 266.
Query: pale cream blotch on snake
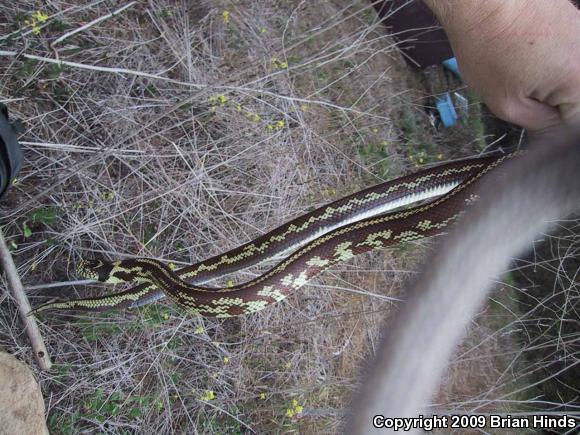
x: 318, y: 240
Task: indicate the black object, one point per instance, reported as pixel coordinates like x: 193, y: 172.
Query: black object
x: 10, y: 152
x: 416, y: 29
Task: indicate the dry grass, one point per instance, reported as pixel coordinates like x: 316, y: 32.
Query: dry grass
x: 252, y: 118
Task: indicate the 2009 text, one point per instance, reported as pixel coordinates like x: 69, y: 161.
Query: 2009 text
x: 475, y: 421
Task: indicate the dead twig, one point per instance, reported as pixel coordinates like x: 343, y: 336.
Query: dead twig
x: 15, y: 286
x: 90, y: 24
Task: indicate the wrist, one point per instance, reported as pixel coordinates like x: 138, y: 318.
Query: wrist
x: 459, y: 16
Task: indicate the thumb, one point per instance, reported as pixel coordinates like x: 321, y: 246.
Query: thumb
x: 570, y: 113
x: 529, y: 113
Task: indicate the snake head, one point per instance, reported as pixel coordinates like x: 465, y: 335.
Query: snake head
x: 95, y: 269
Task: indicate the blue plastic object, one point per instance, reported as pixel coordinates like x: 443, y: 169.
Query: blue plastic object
x: 446, y: 110
x: 451, y: 65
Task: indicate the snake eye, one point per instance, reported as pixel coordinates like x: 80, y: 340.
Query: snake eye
x: 84, y: 269
x: 92, y: 269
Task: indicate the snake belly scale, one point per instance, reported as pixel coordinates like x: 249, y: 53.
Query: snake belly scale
x: 318, y: 240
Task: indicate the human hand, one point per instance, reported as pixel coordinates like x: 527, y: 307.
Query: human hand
x: 521, y: 56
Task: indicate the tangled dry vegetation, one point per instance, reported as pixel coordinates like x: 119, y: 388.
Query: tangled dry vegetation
x: 178, y: 130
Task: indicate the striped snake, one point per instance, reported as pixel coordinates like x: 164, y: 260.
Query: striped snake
x: 316, y: 241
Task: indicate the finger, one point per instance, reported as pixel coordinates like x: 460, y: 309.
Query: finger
x: 570, y: 113
x: 529, y: 113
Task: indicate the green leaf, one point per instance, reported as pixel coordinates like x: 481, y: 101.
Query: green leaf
x: 135, y: 413
x: 47, y: 215
x: 27, y: 230
x: 54, y: 71
x: 28, y: 67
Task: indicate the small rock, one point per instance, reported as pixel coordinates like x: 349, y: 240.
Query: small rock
x: 21, y: 404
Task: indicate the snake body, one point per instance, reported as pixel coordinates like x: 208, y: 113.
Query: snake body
x: 320, y: 239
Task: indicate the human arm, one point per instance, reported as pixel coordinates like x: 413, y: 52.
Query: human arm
x: 521, y: 56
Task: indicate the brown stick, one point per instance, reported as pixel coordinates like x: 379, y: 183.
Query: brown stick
x: 15, y: 286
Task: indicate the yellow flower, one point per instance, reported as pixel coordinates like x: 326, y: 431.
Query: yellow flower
x: 166, y: 316
x: 263, y: 30
x: 278, y: 64
x: 375, y: 130
x: 290, y: 413
x: 207, y: 395
x: 296, y: 408
x: 40, y: 16
x: 223, y: 99
x: 108, y: 196
x: 262, y: 396
x: 279, y: 124
x: 226, y: 16
x: 230, y: 283
x: 226, y: 360
x: 36, y: 17
x: 439, y: 156
x: 199, y: 330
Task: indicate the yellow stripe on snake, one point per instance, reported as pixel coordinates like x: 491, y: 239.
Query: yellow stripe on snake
x: 316, y: 241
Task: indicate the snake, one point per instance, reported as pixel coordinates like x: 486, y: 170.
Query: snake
x: 374, y: 218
